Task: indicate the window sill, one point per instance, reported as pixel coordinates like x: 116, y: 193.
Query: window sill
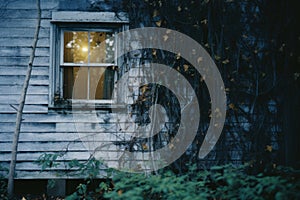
x: 86, y: 105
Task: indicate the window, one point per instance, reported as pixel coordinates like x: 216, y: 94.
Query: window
x: 93, y: 54
x: 84, y: 63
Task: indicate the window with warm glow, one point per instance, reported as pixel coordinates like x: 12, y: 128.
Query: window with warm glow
x: 84, y: 60
x: 93, y: 54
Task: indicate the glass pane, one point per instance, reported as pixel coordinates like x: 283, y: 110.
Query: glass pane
x: 79, y: 90
x: 102, y: 47
x: 76, y: 47
x: 101, y: 82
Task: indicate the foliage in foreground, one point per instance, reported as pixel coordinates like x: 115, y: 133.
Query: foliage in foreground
x: 3, y: 184
x: 219, y: 182
x: 3, y: 188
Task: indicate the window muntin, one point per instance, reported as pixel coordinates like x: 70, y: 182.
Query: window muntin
x: 93, y: 53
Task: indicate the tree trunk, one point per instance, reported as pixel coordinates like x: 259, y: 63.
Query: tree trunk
x: 12, y: 167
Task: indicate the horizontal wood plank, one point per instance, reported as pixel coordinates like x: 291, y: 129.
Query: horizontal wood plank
x: 65, y: 118
x: 23, y: 23
x: 65, y: 137
x: 25, y: 14
x: 22, y: 69
x: 34, y: 156
x: 30, y: 99
x: 25, y: 42
x: 34, y: 127
x: 65, y: 156
x: 12, y: 61
x: 27, y: 108
x: 31, y: 4
x: 23, y: 52
x: 32, y: 89
x: 19, y: 80
x: 44, y: 146
x: 23, y: 32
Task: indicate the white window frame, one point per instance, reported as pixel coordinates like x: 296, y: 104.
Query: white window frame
x: 79, y: 21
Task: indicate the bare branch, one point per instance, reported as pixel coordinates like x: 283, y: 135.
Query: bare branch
x: 12, y: 166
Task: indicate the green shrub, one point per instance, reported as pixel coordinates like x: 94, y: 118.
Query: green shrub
x: 219, y: 182
x: 3, y: 184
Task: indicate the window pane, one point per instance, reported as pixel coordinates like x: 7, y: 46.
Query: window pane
x: 102, y: 47
x: 76, y: 47
x: 101, y: 82
x: 70, y: 75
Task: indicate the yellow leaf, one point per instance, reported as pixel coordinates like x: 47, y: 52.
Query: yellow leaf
x: 178, y: 56
x: 202, y: 78
x: 225, y: 61
x: 120, y: 192
x: 168, y: 31
x: 165, y: 37
x: 200, y: 59
x: 231, y: 106
x: 186, y: 67
x: 217, y: 57
x: 204, y: 21
x: 218, y: 112
x: 155, y: 13
x: 158, y: 23
x: 144, y: 88
x: 154, y: 52
x: 145, y: 147
x: 179, y: 8
x: 269, y: 148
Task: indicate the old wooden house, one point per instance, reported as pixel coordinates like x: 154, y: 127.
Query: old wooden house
x: 69, y: 39
x: 76, y: 38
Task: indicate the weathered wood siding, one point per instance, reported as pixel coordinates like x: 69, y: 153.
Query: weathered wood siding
x: 42, y: 130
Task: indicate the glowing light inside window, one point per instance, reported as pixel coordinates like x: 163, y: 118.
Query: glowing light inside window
x: 84, y: 49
